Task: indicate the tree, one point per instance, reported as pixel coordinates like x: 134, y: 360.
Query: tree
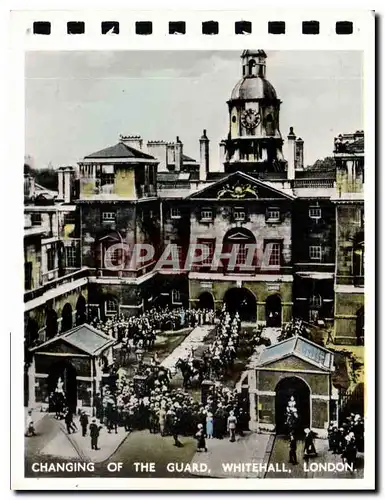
x: 327, y: 164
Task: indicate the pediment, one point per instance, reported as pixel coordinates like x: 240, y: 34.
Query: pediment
x: 238, y: 236
x: 60, y: 346
x: 292, y: 363
x: 240, y: 186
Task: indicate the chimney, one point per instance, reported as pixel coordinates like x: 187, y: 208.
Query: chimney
x: 158, y: 149
x: 222, y: 152
x: 68, y: 183
x: 60, y: 181
x: 178, y: 155
x: 291, y: 154
x: 204, y: 156
x: 299, y: 154
x: 133, y: 141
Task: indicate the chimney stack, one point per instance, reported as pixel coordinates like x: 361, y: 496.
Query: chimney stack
x: 178, y: 155
x: 204, y: 156
x: 133, y: 141
x: 60, y: 183
x: 291, y: 154
x: 68, y: 183
x: 299, y: 161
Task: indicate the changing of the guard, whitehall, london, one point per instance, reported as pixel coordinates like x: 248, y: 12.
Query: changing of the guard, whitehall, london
x: 203, y: 315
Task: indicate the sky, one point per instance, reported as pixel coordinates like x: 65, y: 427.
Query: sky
x: 80, y: 102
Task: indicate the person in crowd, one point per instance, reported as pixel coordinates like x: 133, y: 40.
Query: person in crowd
x: 201, y: 438
x: 94, y: 433
x: 293, y: 449
x: 209, y: 425
x: 30, y: 427
x: 84, y: 423
x: 309, y: 449
x: 69, y: 421
x: 231, y: 425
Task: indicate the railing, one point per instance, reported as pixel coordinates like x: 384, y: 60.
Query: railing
x: 314, y: 183
x: 68, y: 278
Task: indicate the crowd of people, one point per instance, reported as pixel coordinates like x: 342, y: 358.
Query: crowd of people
x: 348, y: 438
x: 173, y: 412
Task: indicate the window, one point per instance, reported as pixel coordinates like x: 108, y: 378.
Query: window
x: 50, y: 259
x: 107, y: 179
x: 275, y: 254
x: 36, y: 219
x: 175, y: 296
x: 109, y: 216
x: 69, y: 218
x: 239, y: 214
x: 175, y: 213
x: 315, y: 212
x: 272, y: 214
x: 111, y: 307
x: 28, y: 275
x: 206, y: 214
x: 242, y: 254
x: 315, y: 252
x: 315, y: 301
x: 71, y: 257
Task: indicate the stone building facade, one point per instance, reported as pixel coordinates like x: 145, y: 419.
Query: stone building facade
x: 306, y: 225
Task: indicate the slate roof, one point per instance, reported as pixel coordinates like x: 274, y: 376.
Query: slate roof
x: 300, y: 347
x: 120, y: 150
x: 85, y: 337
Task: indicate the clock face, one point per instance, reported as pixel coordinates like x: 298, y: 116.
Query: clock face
x: 250, y: 119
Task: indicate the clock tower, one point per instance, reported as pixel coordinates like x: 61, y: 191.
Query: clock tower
x: 254, y: 143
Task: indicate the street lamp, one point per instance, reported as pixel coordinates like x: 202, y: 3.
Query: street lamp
x: 139, y: 357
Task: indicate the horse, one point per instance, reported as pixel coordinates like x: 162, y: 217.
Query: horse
x: 189, y: 372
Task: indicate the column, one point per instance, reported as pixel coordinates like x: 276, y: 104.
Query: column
x: 261, y: 313
x: 287, y: 311
x: 31, y: 385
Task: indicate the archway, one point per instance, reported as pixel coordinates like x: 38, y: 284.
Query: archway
x: 360, y: 326
x: 81, y: 315
x: 65, y: 370
x: 66, y: 318
x: 206, y: 301
x: 51, y: 324
x: 243, y: 301
x: 273, y: 311
x: 298, y: 388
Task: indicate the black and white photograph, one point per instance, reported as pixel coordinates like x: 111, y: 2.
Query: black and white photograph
x: 194, y: 264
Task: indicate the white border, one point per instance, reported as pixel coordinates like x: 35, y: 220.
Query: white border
x: 21, y: 21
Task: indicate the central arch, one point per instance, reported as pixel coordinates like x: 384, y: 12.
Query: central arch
x: 66, y: 318
x: 298, y: 388
x: 206, y: 301
x: 243, y: 301
x: 67, y: 372
x: 273, y: 311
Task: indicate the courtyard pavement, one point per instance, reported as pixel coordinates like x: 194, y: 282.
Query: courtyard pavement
x: 192, y: 341
x: 251, y: 448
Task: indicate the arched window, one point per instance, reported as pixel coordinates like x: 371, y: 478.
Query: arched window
x: 269, y: 125
x: 252, y: 65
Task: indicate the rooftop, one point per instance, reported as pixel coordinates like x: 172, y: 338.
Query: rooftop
x: 300, y: 347
x: 120, y: 150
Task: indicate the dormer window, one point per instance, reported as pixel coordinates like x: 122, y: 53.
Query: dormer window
x: 206, y: 215
x: 239, y: 214
x: 273, y: 214
x: 315, y: 213
x: 175, y: 213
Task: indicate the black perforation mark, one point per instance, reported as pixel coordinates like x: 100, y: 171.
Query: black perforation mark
x: 344, y: 27
x: 210, y: 28
x: 110, y: 28
x: 242, y: 27
x: 75, y: 27
x: 310, y: 28
x: 276, y: 27
x: 143, y: 28
x: 42, y: 28
x: 177, y: 28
